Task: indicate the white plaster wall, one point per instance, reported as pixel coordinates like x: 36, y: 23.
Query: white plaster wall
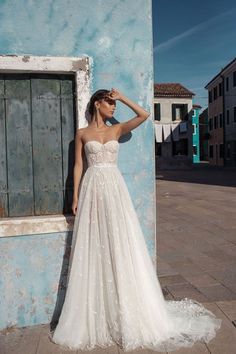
x: 166, y: 106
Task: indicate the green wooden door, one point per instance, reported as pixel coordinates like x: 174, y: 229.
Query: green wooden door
x: 37, y: 123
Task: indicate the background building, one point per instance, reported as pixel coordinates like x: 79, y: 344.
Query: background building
x: 204, y: 135
x: 215, y: 113
x: 52, y: 54
x: 229, y: 75
x: 173, y: 125
x: 196, y: 134
x: 222, y: 116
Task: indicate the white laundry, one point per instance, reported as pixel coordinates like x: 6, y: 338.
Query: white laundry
x: 158, y: 132
x: 167, y: 133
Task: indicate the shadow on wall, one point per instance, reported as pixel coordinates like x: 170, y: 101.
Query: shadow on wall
x: 202, y: 174
x: 62, y: 283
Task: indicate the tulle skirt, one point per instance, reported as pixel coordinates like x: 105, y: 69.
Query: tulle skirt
x: 113, y: 294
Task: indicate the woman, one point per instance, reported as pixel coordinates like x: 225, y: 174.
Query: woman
x: 113, y: 294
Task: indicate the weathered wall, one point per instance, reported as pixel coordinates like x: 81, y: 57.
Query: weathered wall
x: 117, y: 35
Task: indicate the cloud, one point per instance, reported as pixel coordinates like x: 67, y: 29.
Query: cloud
x: 201, y: 26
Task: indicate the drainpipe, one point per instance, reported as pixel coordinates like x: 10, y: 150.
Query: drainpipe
x: 223, y: 115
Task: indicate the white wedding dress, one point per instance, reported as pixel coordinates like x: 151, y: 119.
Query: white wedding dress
x: 113, y: 293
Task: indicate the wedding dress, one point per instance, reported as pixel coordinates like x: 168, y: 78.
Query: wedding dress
x: 113, y: 294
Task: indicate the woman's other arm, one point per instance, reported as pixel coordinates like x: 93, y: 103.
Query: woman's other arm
x: 78, y: 169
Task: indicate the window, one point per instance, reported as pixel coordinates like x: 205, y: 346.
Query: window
x: 221, y: 120
x: 194, y: 150
x: 39, y: 109
x: 210, y: 124
x: 220, y: 89
x: 234, y: 114
x: 158, y: 149
x: 210, y: 96
x: 179, y: 112
x: 234, y: 78
x: 157, y: 111
x: 222, y: 151
x: 215, y: 122
x: 211, y: 151
x: 215, y: 93
x: 180, y: 147
x: 227, y: 84
x: 227, y: 117
x: 194, y: 128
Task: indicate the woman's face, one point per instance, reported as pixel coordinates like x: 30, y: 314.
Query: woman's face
x: 106, y: 107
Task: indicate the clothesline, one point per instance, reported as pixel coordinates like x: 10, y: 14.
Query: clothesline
x: 158, y: 123
x: 169, y: 132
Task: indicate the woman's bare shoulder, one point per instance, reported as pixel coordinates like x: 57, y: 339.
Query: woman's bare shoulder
x: 80, y: 132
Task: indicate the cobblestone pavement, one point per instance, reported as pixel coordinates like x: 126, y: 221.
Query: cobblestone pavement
x: 196, y: 247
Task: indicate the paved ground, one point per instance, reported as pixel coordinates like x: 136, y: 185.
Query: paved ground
x: 196, y: 246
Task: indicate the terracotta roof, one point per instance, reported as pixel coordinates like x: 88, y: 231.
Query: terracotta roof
x: 171, y: 90
x: 197, y: 106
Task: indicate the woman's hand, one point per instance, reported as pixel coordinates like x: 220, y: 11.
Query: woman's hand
x: 141, y: 113
x: 115, y: 94
x: 74, y: 205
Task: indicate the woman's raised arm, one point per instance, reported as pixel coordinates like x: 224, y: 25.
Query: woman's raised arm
x: 141, y: 114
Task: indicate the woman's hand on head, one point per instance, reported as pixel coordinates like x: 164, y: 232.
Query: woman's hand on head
x: 115, y: 94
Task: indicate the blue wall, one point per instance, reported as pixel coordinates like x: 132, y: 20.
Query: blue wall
x: 196, y: 134
x: 117, y: 35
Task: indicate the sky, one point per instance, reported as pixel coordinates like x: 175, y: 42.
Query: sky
x: 193, y: 41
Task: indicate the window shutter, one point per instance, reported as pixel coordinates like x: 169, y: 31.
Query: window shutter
x: 3, y: 171
x: 19, y: 145
x: 37, y: 129
x: 157, y: 111
x: 173, y: 111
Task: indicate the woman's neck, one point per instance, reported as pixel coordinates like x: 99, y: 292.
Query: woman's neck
x: 98, y: 122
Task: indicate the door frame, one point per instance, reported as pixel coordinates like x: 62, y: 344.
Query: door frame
x: 80, y: 67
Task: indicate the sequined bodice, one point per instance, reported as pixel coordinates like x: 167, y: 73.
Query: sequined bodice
x: 99, y: 154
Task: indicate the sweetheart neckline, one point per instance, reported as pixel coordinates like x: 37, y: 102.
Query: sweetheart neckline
x: 100, y: 142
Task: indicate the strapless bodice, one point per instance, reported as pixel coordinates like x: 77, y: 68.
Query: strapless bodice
x: 99, y: 154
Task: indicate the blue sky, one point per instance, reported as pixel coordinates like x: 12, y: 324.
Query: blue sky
x: 193, y: 41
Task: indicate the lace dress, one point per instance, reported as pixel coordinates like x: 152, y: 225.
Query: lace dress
x: 113, y: 293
